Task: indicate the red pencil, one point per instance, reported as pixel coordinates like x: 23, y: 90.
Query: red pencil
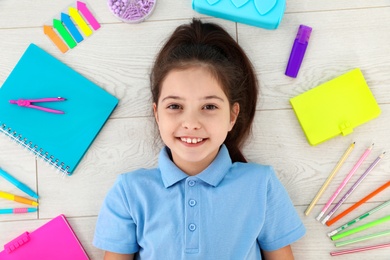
x: 357, y: 204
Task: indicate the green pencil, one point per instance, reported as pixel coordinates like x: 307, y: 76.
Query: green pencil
x: 350, y: 223
x: 363, y: 238
x: 361, y: 228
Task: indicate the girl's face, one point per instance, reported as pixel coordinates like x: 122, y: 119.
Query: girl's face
x: 194, y: 116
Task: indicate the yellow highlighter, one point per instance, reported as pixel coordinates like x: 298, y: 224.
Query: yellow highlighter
x: 16, y: 198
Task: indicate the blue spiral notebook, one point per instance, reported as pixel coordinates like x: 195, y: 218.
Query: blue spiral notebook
x: 59, y: 139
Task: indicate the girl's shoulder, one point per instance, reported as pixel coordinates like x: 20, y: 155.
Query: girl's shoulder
x: 140, y: 175
x: 254, y: 168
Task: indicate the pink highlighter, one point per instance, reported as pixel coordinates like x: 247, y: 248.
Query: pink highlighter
x: 298, y: 51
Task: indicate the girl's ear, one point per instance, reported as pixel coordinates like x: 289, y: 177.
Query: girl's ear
x: 234, y: 114
x: 155, y: 112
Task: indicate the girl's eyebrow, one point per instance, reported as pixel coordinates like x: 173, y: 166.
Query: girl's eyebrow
x: 205, y: 98
x: 214, y: 97
x: 171, y: 97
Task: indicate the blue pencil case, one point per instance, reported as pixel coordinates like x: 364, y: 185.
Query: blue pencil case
x: 266, y: 14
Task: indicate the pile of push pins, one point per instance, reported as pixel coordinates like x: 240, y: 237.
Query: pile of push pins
x: 131, y: 11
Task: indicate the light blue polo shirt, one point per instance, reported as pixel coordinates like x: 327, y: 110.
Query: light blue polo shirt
x: 228, y: 211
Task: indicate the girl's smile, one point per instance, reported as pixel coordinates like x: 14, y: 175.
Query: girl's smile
x: 194, y: 117
x: 190, y: 140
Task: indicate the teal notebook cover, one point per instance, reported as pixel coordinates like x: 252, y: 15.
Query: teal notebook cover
x: 59, y: 139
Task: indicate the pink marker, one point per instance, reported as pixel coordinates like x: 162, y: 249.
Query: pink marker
x: 345, y: 181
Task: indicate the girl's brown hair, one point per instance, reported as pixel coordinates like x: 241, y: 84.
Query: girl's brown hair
x: 209, y: 45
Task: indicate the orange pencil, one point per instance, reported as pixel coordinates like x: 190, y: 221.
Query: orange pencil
x: 357, y: 204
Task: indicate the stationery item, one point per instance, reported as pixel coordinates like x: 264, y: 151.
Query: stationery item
x: 49, y: 31
x: 21, y: 186
x: 363, y: 216
x: 335, y: 107
x: 29, y: 104
x: 330, y: 178
x: 266, y: 14
x: 67, y: 30
x: 131, y: 11
x: 298, y: 51
x: 18, y: 210
x: 344, y: 182
x: 68, y: 23
x: 363, y: 238
x: 84, y: 10
x: 359, y: 249
x: 358, y: 204
x: 9, y: 196
x: 53, y: 240
x: 354, y: 186
x: 361, y: 228
x: 59, y: 140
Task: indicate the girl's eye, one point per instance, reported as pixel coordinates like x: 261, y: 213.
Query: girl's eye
x: 210, y: 107
x: 173, y: 106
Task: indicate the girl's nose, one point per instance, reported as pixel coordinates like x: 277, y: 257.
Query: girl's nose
x: 191, y: 121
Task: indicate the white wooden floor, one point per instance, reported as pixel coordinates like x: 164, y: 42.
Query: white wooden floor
x: 346, y: 35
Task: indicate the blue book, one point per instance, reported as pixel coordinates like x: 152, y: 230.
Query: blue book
x: 59, y: 139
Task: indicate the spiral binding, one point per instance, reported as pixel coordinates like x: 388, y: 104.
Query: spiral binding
x: 39, y: 152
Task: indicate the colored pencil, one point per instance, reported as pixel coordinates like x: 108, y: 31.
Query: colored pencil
x: 9, y: 196
x: 344, y: 182
x: 352, y: 189
x: 359, y: 249
x: 363, y: 216
x: 363, y: 238
x: 329, y: 179
x: 358, y: 204
x: 361, y: 228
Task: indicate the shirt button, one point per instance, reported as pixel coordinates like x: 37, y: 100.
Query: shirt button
x: 191, y: 183
x: 192, y: 203
x: 192, y: 227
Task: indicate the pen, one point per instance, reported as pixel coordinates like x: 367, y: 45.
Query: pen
x: 354, y: 186
x: 16, y: 198
x: 17, y: 210
x: 363, y: 216
x: 358, y: 204
x: 23, y: 187
x: 329, y: 179
x: 344, y: 182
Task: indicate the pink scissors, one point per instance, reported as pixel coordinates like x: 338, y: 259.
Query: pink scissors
x: 28, y: 103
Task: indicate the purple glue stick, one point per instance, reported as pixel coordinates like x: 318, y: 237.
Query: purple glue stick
x: 298, y: 51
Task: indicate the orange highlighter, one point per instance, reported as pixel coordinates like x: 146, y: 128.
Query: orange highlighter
x: 16, y: 198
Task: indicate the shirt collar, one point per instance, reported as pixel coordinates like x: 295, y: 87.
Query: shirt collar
x: 212, y: 175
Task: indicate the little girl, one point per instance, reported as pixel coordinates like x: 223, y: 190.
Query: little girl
x: 203, y: 201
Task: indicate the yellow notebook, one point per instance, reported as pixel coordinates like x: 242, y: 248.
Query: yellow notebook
x: 335, y: 107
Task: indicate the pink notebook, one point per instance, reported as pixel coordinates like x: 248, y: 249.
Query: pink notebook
x: 53, y: 240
